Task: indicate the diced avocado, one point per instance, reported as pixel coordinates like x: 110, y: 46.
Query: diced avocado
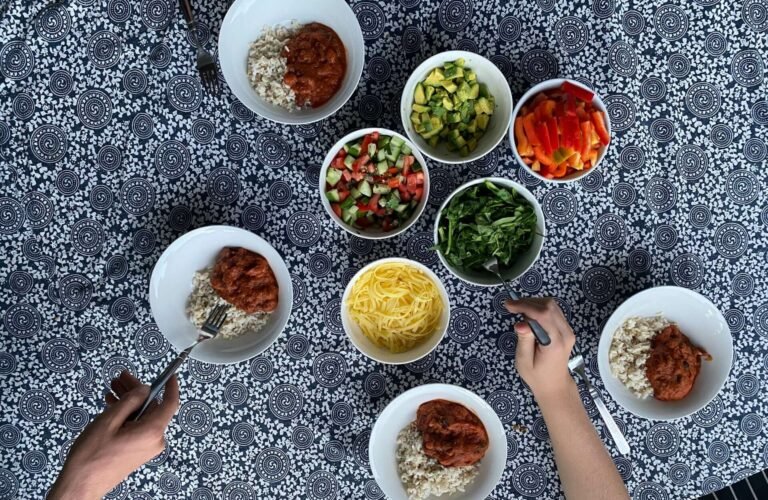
x: 365, y: 188
x: 449, y: 86
x: 474, y: 91
x: 419, y: 96
x: 459, y: 62
x: 381, y: 189
x: 420, y: 108
x: 430, y: 92
x: 439, y: 111
x: 435, y: 78
x: 472, y: 126
x: 332, y: 195
x: 482, y: 121
x: 472, y: 144
x: 354, y: 149
x: 483, y: 105
x: 453, y: 117
x: 354, y: 193
x: 414, y: 119
x: 454, y: 72
x: 348, y: 161
x: 333, y: 176
x: 448, y: 65
x: 464, y: 91
x: 433, y: 141
x: 396, y: 142
x: 382, y: 167
x: 459, y: 141
x: 464, y: 151
x: 436, y: 125
x: 484, y: 90
x: 447, y: 104
x: 470, y: 75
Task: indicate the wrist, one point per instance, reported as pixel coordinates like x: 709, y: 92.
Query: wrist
x: 69, y: 487
x: 557, y: 395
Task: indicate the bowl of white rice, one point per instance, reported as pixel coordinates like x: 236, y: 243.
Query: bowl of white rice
x: 181, y: 296
x: 625, y: 346
x: 254, y: 71
x: 404, y: 472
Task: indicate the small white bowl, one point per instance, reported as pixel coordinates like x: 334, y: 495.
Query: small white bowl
x: 484, y: 278
x: 700, y: 321
x: 373, y: 233
x: 487, y: 73
x: 244, y: 23
x: 382, y: 354
x: 401, y: 411
x: 548, y: 85
x: 171, y: 284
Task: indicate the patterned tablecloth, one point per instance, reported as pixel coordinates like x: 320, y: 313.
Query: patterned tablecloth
x: 109, y: 150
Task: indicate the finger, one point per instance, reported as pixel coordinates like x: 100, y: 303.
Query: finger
x: 545, y: 311
x: 160, y: 415
x: 110, y: 399
x: 526, y: 347
x: 129, y: 381
x: 131, y: 401
x: 118, y: 388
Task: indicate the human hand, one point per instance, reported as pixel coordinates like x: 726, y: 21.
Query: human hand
x: 113, y: 446
x: 543, y: 368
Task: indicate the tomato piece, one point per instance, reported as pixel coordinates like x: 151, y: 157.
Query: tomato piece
x: 543, y: 132
x: 408, y: 161
x: 341, y: 154
x: 346, y: 175
x: 386, y: 225
x: 336, y: 209
x: 373, y: 205
x: 362, y: 222
x: 404, y: 194
x: 393, y: 183
x: 338, y: 163
x: 358, y: 176
x: 361, y: 160
x: 418, y: 193
x: 393, y: 171
x: 599, y: 123
x: 412, y: 183
x: 419, y: 178
x: 343, y: 195
x: 362, y: 207
x: 577, y: 91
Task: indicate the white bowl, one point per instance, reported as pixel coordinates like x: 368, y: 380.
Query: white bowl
x: 171, y: 284
x: 243, y: 24
x: 382, y: 354
x: 487, y: 73
x: 401, y: 411
x: 372, y: 233
x: 701, y: 321
x: 484, y: 278
x: 553, y: 84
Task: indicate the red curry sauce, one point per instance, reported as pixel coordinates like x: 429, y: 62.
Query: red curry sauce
x: 245, y: 280
x: 452, y: 434
x: 316, y: 64
x: 673, y: 365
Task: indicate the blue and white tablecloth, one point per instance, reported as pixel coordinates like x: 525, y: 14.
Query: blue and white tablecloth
x: 109, y: 150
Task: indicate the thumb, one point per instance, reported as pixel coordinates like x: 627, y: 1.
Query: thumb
x: 131, y: 401
x: 526, y: 346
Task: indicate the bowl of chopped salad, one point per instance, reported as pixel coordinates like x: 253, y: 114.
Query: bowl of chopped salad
x: 374, y: 183
x: 489, y: 217
x: 560, y: 130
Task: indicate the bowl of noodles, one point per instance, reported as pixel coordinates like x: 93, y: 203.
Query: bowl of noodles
x: 395, y: 310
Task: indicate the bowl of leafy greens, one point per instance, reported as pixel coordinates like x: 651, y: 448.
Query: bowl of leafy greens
x: 489, y: 217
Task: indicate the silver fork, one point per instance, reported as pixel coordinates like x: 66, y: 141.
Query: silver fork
x: 210, y: 329
x: 206, y: 65
x: 576, y: 366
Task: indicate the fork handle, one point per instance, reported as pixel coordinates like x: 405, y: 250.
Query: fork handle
x: 186, y: 9
x: 538, y: 331
x: 161, y: 380
x: 618, y: 437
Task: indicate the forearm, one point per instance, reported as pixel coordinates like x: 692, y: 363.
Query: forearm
x: 69, y: 487
x: 586, y: 470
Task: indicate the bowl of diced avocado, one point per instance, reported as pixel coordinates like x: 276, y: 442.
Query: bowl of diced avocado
x: 374, y: 183
x: 456, y: 107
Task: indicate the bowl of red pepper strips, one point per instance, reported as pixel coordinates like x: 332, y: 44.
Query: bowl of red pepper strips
x: 560, y: 130
x: 374, y: 183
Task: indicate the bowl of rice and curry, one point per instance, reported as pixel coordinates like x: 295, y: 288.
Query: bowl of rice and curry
x: 221, y: 265
x: 293, y: 62
x: 665, y: 353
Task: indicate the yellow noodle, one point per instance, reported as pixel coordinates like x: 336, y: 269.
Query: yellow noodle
x: 395, y: 305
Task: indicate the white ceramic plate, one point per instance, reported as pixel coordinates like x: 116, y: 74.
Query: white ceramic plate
x: 553, y: 84
x: 381, y: 354
x: 484, y: 278
x: 401, y: 411
x: 171, y: 284
x: 244, y: 23
x: 487, y: 73
x: 700, y: 321
x: 372, y: 234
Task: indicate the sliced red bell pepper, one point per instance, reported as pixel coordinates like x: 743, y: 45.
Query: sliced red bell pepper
x: 543, y: 133
x: 336, y: 209
x: 360, y: 162
x: 577, y: 91
x: 530, y: 130
x: 543, y: 158
x: 559, y: 170
x: 586, y: 134
x: 554, y: 139
x: 373, y: 205
x: 571, y: 132
x: 602, y: 131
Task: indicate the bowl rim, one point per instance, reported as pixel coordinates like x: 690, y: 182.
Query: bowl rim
x: 330, y: 111
x: 442, y: 391
x: 407, y: 96
x: 280, y: 325
x: 606, y: 337
x: 496, y: 180
x: 327, y: 204
x: 546, y: 85
x: 437, y: 337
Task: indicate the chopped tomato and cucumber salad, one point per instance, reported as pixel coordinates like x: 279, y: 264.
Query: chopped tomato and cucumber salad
x: 560, y: 132
x: 375, y: 182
